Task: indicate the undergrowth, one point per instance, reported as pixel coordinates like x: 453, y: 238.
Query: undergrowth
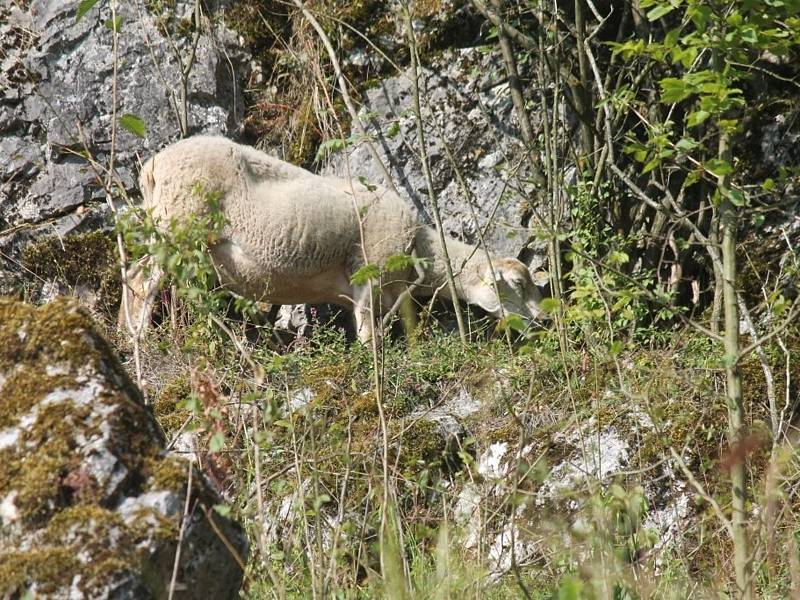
x: 505, y: 467
x: 578, y: 535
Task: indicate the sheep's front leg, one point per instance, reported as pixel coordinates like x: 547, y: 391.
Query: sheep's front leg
x: 362, y: 312
x: 139, y: 294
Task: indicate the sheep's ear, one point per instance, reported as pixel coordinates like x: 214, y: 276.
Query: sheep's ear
x: 499, y: 273
x: 486, y: 300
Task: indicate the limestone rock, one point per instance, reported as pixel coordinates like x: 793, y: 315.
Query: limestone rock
x: 57, y: 102
x: 90, y: 505
x: 468, y: 114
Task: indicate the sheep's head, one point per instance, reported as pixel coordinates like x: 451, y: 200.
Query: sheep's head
x: 517, y: 290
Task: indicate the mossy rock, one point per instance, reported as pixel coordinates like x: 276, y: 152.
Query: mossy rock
x: 82, y: 260
x: 167, y: 407
x: 90, y: 503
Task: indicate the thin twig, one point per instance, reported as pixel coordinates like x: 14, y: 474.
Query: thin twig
x: 702, y: 493
x: 184, y: 520
x: 223, y: 538
x: 423, y: 153
x: 186, y: 70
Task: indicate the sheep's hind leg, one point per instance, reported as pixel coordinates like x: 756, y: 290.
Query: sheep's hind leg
x: 139, y: 296
x: 362, y: 312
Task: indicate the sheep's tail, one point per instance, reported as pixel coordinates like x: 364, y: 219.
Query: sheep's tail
x: 147, y: 181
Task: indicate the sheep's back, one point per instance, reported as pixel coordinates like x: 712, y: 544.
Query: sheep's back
x: 283, y: 221
x: 294, y: 226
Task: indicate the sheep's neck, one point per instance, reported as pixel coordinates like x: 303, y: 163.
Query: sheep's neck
x: 467, y: 262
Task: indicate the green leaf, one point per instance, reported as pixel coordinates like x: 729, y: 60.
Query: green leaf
x: 749, y: 35
x: 364, y: 274
x: 728, y: 125
x: 617, y: 491
x: 737, y: 198
x: 686, y: 144
x: 768, y: 185
x: 84, y: 6
x: 365, y: 182
x: 393, y: 130
x: 133, y: 124
x: 114, y: 25
x: 512, y: 322
x: 192, y: 404
x: 320, y: 500
x: 628, y: 49
x: 779, y: 305
x: 674, y: 90
x: 217, y: 442
x: 617, y: 257
x: 718, y: 167
x: 700, y: 15
x: 697, y: 117
x: 571, y: 588
x: 685, y: 56
x: 693, y: 177
x: 660, y: 11
x: 399, y: 262
x: 650, y: 166
x: 329, y: 147
x: 549, y: 305
x: 222, y: 510
x: 671, y: 39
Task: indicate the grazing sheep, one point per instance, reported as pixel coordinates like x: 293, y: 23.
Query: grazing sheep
x: 293, y: 237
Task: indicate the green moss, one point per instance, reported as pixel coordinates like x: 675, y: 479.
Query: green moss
x: 422, y: 446
x: 167, y: 21
x: 365, y: 407
x: 79, y: 523
x: 60, y: 505
x: 167, y: 473
x: 160, y: 7
x: 148, y: 524
x: 88, y: 540
x: 506, y: 431
x: 166, y: 406
x: 84, y: 259
x: 331, y: 383
x: 59, y: 339
x: 426, y: 8
x: 25, y: 388
x: 257, y: 22
x: 372, y: 17
x: 55, y: 336
x: 50, y: 568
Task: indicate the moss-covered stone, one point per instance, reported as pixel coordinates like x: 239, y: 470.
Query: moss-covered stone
x: 167, y: 473
x: 167, y: 407
x: 421, y: 445
x: 83, y: 259
x: 50, y: 568
x: 75, y: 440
